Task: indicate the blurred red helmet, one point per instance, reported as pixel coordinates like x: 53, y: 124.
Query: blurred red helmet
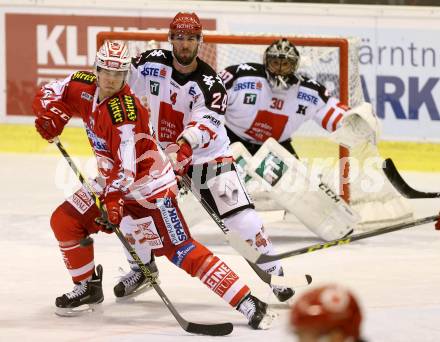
x: 326, y: 308
x: 186, y: 23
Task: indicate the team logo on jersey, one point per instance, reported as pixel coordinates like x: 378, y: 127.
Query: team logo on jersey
x: 98, y: 144
x: 148, y: 234
x: 84, y: 77
x: 172, y: 222
x: 250, y: 98
x: 248, y: 85
x: 154, y: 88
x: 245, y: 67
x: 115, y: 109
x: 157, y: 53
x: 86, y: 96
x: 209, y: 81
x: 130, y: 107
x: 307, y: 97
x: 156, y: 72
x: 192, y: 91
x: 301, y: 109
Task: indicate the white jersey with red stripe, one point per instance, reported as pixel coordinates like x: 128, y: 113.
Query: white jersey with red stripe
x: 179, y: 101
x: 256, y: 112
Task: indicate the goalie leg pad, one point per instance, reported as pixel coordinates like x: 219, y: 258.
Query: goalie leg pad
x: 311, y: 201
x: 242, y: 158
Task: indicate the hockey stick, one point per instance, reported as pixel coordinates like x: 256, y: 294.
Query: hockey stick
x: 219, y: 329
x: 258, y: 258
x: 284, y: 281
x: 399, y: 183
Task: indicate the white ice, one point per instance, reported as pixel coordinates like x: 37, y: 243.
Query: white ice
x: 396, y: 276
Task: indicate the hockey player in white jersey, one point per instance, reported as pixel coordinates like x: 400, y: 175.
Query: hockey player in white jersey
x: 187, y: 100
x: 267, y: 103
x: 271, y: 100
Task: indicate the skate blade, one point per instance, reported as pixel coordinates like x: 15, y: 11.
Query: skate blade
x: 79, y: 311
x: 131, y: 297
x: 267, y: 321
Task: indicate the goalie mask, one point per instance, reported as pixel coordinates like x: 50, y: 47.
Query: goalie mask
x: 281, y: 60
x: 327, y: 308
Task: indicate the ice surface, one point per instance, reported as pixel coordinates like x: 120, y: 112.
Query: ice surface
x: 396, y: 276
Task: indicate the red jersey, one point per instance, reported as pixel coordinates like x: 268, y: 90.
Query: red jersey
x: 128, y: 157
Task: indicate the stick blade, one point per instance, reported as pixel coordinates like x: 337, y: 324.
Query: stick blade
x: 291, y: 281
x: 220, y: 329
x: 393, y: 175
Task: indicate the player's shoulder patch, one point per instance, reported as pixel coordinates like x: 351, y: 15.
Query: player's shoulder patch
x: 122, y: 109
x: 250, y: 69
x: 212, y: 87
x: 154, y: 56
x: 234, y: 72
x: 311, y: 84
x: 207, y: 79
x: 85, y: 77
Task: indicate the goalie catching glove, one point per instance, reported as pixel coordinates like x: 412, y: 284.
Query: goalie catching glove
x: 359, y: 126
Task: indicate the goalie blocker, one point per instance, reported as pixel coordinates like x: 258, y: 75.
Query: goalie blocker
x: 287, y: 182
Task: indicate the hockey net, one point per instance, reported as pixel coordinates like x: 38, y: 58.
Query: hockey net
x: 332, y: 61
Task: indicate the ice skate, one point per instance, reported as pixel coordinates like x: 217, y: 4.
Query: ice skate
x: 257, y: 312
x: 134, y: 283
x: 85, y: 297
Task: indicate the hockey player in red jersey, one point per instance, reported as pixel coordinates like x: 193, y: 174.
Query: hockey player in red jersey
x: 188, y: 101
x: 138, y: 190
x: 327, y: 313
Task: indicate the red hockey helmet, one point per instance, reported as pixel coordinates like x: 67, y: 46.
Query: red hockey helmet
x: 186, y: 23
x: 326, y: 308
x: 113, y: 55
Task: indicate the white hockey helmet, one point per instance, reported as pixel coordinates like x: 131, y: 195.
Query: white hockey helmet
x: 281, y: 49
x: 113, y: 55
